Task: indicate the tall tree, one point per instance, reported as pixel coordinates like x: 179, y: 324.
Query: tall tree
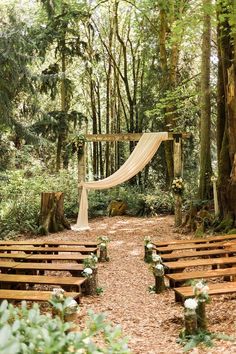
x: 227, y: 116
x: 61, y: 32
x: 205, y: 103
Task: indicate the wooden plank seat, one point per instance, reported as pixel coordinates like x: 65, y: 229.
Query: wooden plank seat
x: 56, y: 257
x: 189, y: 246
x: 79, y: 258
x: 48, y: 243
x: 177, y: 279
x: 25, y: 267
x: 82, y: 250
x: 195, y: 240
x: 225, y: 288
x: 19, y: 295
x: 74, y: 269
x: 70, y: 283
x: 189, y: 254
x: 172, y: 267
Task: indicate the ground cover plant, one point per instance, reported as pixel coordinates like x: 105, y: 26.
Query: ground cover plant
x: 26, y: 330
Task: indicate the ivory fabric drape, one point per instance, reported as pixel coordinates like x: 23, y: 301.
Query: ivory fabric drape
x: 141, y: 155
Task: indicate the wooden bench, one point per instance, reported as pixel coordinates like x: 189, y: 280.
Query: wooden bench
x: 28, y: 249
x: 75, y: 269
x: 48, y: 243
x: 19, y: 295
x: 25, y: 267
x: 225, y: 288
x: 189, y: 246
x: 195, y: 240
x: 177, y: 279
x: 174, y: 256
x: 172, y: 267
x: 69, y: 283
x: 44, y: 257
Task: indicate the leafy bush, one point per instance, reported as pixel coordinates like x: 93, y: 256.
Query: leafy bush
x: 150, y: 203
x: 20, y: 198
x: 27, y: 331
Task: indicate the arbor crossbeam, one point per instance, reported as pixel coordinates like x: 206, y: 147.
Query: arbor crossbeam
x: 128, y: 136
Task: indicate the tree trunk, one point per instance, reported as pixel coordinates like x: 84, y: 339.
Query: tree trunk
x: 227, y: 153
x: 205, y: 190
x: 52, y: 217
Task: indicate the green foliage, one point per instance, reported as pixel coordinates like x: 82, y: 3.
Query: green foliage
x: 201, y: 338
x: 99, y: 290
x: 150, y: 203
x: 20, y: 198
x: 27, y: 331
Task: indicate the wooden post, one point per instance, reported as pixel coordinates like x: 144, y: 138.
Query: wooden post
x: 81, y: 165
x: 216, y: 204
x: 177, y: 142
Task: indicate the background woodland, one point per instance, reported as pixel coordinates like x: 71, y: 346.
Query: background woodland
x: 116, y: 66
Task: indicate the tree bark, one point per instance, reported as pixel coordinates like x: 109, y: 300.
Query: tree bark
x: 205, y: 190
x: 52, y: 217
x: 227, y: 147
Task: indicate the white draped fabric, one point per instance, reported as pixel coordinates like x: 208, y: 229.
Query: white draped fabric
x: 141, y: 155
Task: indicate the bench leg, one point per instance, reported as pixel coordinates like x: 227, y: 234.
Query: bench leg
x: 178, y: 297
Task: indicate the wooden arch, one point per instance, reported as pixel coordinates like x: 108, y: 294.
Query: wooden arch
x: 177, y: 157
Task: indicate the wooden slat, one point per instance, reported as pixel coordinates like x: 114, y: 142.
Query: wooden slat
x: 195, y: 240
x: 42, y: 279
x: 58, y: 257
x: 187, y: 254
x: 214, y: 289
x: 83, y: 250
x: 45, y: 243
x: 178, y: 278
x: 190, y: 246
x: 173, y: 266
x: 48, y: 266
x: 16, y: 256
x: 32, y: 295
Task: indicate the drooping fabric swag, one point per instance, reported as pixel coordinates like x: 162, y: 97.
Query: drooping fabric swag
x: 140, y: 156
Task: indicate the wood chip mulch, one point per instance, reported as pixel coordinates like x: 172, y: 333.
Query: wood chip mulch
x: 151, y: 321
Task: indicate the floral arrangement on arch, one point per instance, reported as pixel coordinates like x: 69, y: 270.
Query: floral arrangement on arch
x: 178, y: 185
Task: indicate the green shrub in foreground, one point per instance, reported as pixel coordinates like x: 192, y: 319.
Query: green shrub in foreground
x: 27, y: 331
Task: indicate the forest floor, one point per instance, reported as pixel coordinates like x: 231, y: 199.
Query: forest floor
x: 151, y: 321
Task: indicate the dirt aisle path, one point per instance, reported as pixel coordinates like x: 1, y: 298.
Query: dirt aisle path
x: 125, y: 279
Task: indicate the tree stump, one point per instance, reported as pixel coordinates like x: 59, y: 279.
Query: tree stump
x: 190, y: 322
x: 201, y: 315
x: 148, y: 254
x: 90, y: 286
x: 52, y: 217
x: 103, y: 257
x: 159, y: 284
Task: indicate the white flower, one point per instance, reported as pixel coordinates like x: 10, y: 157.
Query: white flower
x: 88, y: 271
x: 205, y: 290
x: 72, y: 303
x: 103, y: 245
x: 147, y: 238
x: 149, y: 246
x: 57, y: 291
x: 159, y: 267
x: 190, y: 304
x: 156, y: 258
x: 158, y: 270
